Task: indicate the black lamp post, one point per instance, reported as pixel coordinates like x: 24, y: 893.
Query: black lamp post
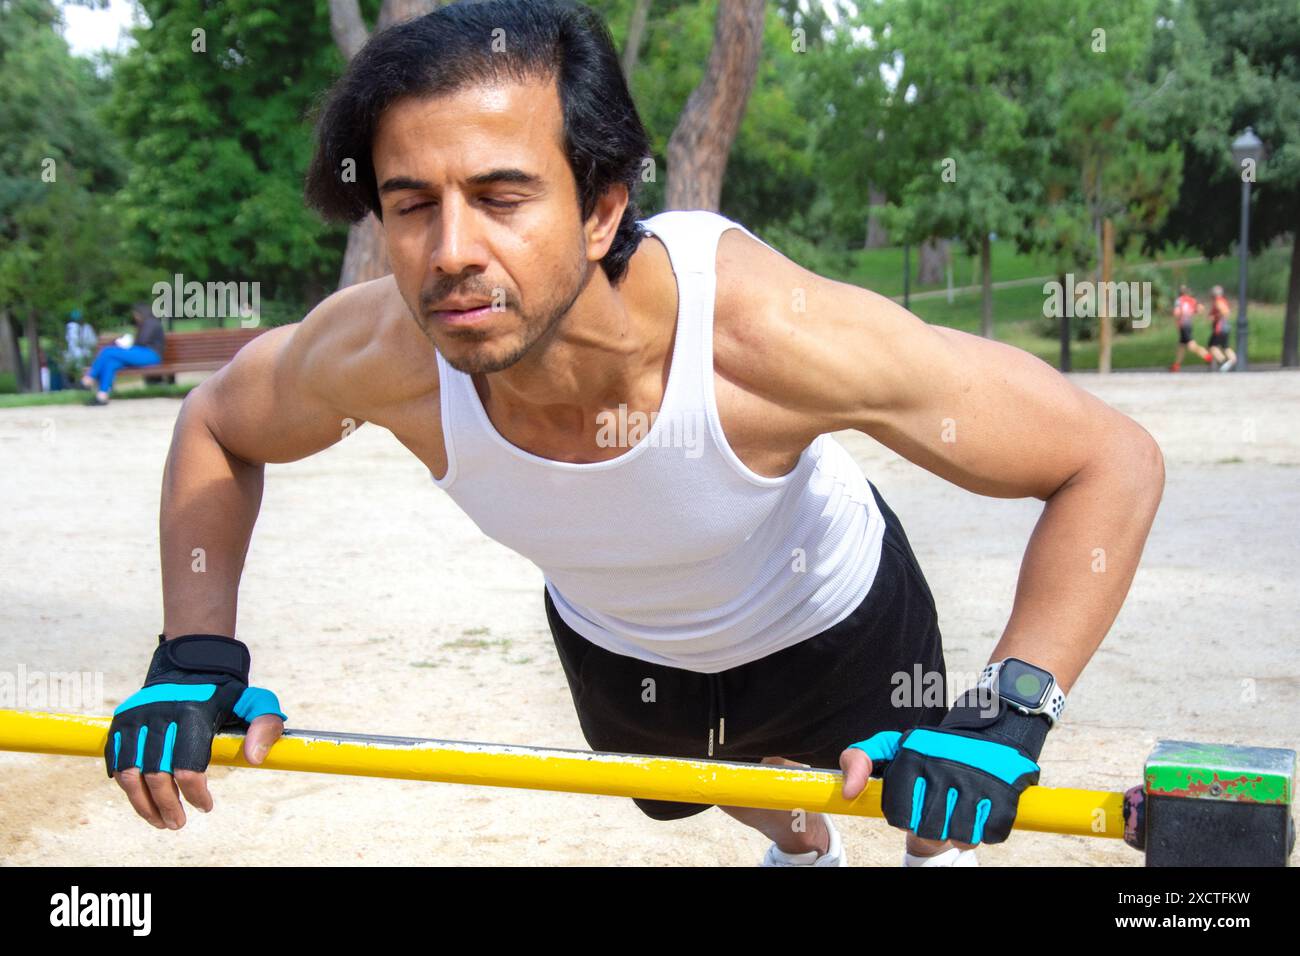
x: 1246, y: 147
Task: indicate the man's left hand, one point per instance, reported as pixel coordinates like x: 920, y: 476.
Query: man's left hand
x: 960, y: 781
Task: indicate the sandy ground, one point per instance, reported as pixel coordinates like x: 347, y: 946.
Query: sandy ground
x: 373, y: 605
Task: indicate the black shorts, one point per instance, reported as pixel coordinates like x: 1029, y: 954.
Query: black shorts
x: 1220, y: 339
x: 1184, y: 334
x: 806, y: 703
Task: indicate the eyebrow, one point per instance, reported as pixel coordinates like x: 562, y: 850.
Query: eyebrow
x: 511, y: 176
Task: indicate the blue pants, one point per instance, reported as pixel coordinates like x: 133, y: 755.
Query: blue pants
x: 111, y: 359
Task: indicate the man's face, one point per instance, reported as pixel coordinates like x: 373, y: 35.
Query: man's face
x: 481, y: 209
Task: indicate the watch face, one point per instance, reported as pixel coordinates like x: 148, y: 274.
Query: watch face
x: 1025, y: 684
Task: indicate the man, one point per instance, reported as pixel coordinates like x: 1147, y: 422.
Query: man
x: 1185, y: 309
x: 81, y: 341
x: 725, y: 583
x: 1219, y: 348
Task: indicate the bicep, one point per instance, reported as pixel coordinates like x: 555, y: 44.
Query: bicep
x: 988, y: 417
x: 984, y: 415
x: 266, y: 407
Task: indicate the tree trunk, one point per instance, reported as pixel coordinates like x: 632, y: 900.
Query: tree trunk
x: 635, y: 34
x: 1291, y: 322
x: 1103, y: 316
x: 986, y: 277
x: 877, y: 236
x: 933, y: 262
x: 366, y: 256
x: 396, y: 11
x: 33, y: 336
x: 347, y: 27
x: 699, y: 146
x: 1066, y: 363
x: 11, y: 360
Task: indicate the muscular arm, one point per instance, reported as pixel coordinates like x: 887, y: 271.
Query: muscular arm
x: 985, y: 416
x: 282, y: 398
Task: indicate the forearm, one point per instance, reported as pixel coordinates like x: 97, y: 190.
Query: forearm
x: 1082, y: 557
x: 210, y: 502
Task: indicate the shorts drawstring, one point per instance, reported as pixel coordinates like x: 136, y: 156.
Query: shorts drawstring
x: 717, y: 711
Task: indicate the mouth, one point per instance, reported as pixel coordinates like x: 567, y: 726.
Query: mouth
x: 461, y: 317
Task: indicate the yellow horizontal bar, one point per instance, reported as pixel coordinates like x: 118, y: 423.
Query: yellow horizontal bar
x: 1096, y: 813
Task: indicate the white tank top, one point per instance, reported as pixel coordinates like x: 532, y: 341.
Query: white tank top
x: 674, y: 552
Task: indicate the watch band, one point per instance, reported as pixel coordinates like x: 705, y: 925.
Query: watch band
x: 1052, y: 708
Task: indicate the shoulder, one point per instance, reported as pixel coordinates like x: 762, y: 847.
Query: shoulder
x: 770, y: 336
x: 829, y: 351
x: 748, y: 323
x: 361, y: 346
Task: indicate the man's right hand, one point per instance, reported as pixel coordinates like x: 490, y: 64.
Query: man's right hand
x: 196, y: 686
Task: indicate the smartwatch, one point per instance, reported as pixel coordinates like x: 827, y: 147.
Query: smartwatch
x: 1025, y: 688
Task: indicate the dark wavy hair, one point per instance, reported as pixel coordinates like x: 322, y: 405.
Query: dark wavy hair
x: 456, y: 47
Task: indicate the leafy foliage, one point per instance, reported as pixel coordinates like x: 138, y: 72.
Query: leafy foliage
x: 58, y: 166
x: 212, y: 104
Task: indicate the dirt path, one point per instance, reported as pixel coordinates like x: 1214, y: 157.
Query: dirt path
x: 373, y: 605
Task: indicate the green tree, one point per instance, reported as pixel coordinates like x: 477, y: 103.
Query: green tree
x: 772, y: 176
x: 1233, y: 65
x: 213, y: 102
x: 951, y: 141
x: 1093, y: 112
x: 58, y: 165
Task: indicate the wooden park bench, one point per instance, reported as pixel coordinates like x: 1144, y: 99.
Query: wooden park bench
x: 204, y: 351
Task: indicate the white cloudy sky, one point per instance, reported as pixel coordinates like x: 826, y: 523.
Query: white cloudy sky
x: 87, y: 31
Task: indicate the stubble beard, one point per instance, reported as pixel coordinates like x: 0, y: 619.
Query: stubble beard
x: 536, y: 325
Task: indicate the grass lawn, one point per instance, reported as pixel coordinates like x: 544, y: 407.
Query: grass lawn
x: 881, y: 270
x: 1153, y: 347
x: 1018, y: 311
x: 1017, y: 320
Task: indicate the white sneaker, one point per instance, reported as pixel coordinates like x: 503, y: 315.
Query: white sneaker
x: 834, y: 855
x: 1227, y: 365
x: 952, y: 857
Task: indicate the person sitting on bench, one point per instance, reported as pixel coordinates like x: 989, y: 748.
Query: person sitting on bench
x: 144, y: 348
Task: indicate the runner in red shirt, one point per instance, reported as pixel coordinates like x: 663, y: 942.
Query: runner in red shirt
x: 1219, y: 347
x: 1185, y: 308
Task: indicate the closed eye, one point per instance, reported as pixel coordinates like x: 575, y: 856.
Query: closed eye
x: 494, y: 203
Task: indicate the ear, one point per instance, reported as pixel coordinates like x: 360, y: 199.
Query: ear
x: 602, y: 225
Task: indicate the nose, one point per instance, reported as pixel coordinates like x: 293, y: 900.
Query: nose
x: 458, y: 245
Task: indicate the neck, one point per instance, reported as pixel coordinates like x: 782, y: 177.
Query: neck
x: 599, y: 355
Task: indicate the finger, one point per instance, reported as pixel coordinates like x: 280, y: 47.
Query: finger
x: 261, y: 734
x: 130, y: 782
x: 923, y: 847
x: 163, y: 790
x: 857, y: 771
x: 193, y: 785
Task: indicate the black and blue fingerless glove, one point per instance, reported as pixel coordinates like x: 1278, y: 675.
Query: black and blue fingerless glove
x: 961, y: 780
x: 197, y: 685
